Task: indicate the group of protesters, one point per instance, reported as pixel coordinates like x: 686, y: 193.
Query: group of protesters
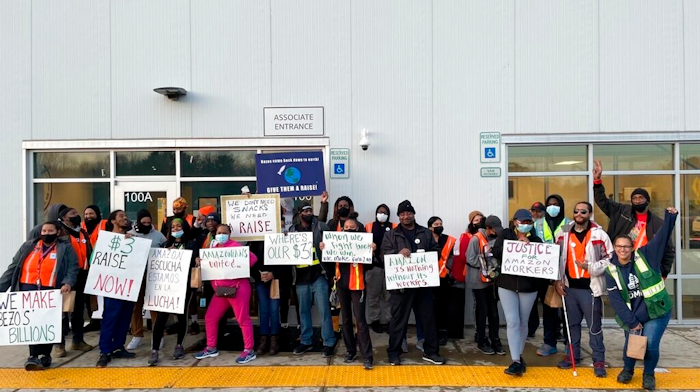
x: 629, y: 262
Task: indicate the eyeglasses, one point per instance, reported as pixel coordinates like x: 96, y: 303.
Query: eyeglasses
x: 582, y: 212
x: 623, y: 247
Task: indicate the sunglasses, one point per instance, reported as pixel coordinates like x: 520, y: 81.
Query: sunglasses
x: 582, y: 212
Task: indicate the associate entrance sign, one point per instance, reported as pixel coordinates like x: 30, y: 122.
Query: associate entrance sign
x: 293, y: 121
x: 536, y: 260
x: 30, y: 317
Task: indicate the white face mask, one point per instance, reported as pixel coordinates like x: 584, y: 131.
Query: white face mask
x: 553, y: 211
x: 382, y: 217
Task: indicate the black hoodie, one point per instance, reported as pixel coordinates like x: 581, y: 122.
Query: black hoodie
x: 554, y: 222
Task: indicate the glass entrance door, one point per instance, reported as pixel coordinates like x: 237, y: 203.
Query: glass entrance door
x: 156, y: 197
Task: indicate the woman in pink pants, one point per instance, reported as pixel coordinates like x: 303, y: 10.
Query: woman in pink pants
x: 220, y: 305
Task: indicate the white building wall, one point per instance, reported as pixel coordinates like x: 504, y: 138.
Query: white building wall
x: 691, y: 50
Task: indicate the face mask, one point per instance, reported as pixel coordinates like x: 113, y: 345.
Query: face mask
x: 307, y: 218
x: 143, y: 229
x: 49, y: 238
x: 180, y: 215
x: 523, y: 228
x: 221, y: 238
x: 382, y: 217
x: 178, y: 234
x: 553, y: 211
x: 482, y: 224
x: 438, y: 230
x: 344, y: 212
x: 351, y: 231
x: 640, y: 207
x: 75, y: 220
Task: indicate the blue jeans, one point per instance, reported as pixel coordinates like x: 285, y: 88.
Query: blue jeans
x: 317, y: 292
x: 653, y: 330
x: 116, y: 318
x: 269, y: 311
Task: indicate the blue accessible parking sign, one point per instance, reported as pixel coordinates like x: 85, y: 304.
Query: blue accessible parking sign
x: 339, y: 168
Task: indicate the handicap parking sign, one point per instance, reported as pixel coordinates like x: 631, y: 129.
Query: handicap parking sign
x: 490, y: 152
x: 339, y: 168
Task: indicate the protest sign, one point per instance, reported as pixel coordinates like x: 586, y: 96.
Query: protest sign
x: 166, y: 280
x: 347, y: 247
x: 291, y: 174
x: 290, y: 249
x: 419, y: 270
x: 532, y: 259
x: 117, y: 265
x: 30, y: 317
x: 225, y: 263
x: 251, y: 217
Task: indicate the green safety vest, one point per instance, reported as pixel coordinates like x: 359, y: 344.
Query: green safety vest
x: 653, y: 288
x: 550, y: 237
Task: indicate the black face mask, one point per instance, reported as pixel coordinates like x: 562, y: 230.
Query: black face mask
x: 438, y: 230
x: 75, y: 220
x: 49, y: 238
x: 481, y: 225
x: 640, y: 207
x: 343, y: 212
x: 143, y: 229
x: 307, y: 218
x: 90, y: 224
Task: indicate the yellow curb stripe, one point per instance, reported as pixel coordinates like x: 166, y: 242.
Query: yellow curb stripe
x: 329, y: 376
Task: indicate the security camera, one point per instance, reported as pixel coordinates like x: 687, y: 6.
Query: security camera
x: 364, y: 141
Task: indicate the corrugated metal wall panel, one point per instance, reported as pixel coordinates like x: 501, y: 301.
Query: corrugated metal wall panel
x: 392, y: 93
x: 230, y: 67
x: 641, y: 66
x: 70, y: 67
x: 556, y: 61
x: 150, y: 48
x: 473, y: 93
x: 691, y: 23
x: 15, y: 116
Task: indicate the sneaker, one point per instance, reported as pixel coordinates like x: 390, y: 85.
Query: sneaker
x: 122, y: 353
x: 515, y: 369
x: 134, y: 343
x: 485, y: 347
x: 523, y: 364
x: 599, y: 369
x: 648, y: 381
x: 179, y: 352
x: 566, y: 362
x: 349, y: 357
x: 419, y: 344
x: 434, y: 358
x: 207, y: 353
x: 33, y: 364
x: 625, y: 376
x: 328, y: 351
x: 104, y: 360
x: 546, y: 350
x: 59, y: 350
x: 394, y: 361
x: 81, y: 346
x: 45, y: 361
x: 153, y: 359
x: 303, y: 348
x: 194, y: 328
x: 377, y: 327
x: 497, y: 346
x: 404, y: 345
x: 245, y: 357
x: 369, y: 364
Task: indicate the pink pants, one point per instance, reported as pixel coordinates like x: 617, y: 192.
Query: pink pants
x: 241, y: 309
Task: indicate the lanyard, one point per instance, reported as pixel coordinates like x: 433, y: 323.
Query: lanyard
x: 41, y: 260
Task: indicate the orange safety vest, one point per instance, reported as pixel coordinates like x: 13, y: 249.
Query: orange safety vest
x: 642, y: 239
x: 96, y: 232
x: 80, y: 247
x: 40, y: 267
x: 483, y: 243
x: 357, y: 276
x: 369, y: 226
x: 445, y: 254
x: 577, y: 251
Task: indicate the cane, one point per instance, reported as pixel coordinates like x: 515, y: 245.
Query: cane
x: 568, y: 334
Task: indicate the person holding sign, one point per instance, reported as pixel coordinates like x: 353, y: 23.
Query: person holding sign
x: 44, y: 263
x: 407, y: 238
x: 638, y: 294
x: 378, y: 298
x: 585, y: 254
x: 350, y: 281
x: 229, y: 294
x: 517, y: 293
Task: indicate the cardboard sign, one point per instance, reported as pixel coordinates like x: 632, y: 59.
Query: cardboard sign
x: 117, y: 265
x: 419, y: 270
x: 225, y: 263
x: 30, y: 317
x: 347, y: 247
x: 291, y: 174
x: 252, y: 217
x: 290, y: 249
x: 533, y: 259
x: 166, y: 280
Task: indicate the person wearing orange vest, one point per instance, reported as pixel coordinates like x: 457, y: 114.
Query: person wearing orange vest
x: 92, y: 224
x: 585, y: 254
x: 179, y: 211
x: 447, y: 303
x: 79, y: 240
x: 635, y: 220
x: 378, y: 298
x: 350, y: 283
x: 483, y: 286
x: 46, y: 262
x: 459, y: 261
